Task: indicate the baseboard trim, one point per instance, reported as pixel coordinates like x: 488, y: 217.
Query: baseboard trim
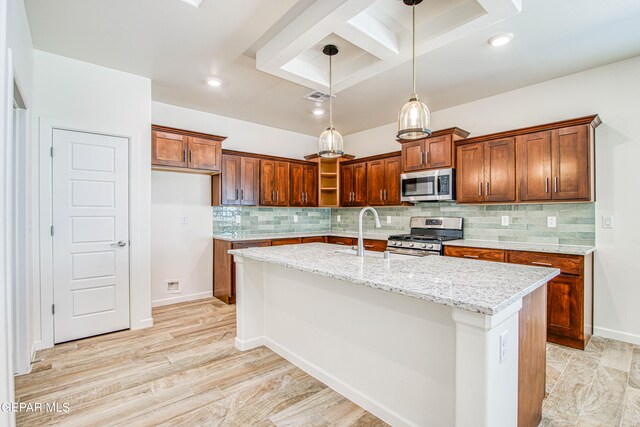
x: 366, y: 402
x: 243, y: 345
x: 617, y: 335
x: 142, y: 324
x: 181, y: 298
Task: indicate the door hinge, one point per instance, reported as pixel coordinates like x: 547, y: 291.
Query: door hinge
x: 52, y: 230
x: 53, y: 309
x: 51, y: 151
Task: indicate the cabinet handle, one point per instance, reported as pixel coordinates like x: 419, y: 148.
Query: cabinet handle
x: 185, y: 155
x: 368, y: 246
x: 339, y: 243
x: 471, y: 256
x: 555, y: 184
x: 190, y: 156
x: 381, y: 197
x: 242, y: 194
x: 236, y: 194
x: 479, y: 188
x: 546, y: 264
x: 486, y: 188
x: 273, y: 196
x: 385, y: 194
x: 546, y: 184
x: 426, y: 157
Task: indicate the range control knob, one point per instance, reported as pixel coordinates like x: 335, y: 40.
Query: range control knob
x: 423, y: 246
x: 410, y: 245
x: 392, y: 243
x: 399, y: 243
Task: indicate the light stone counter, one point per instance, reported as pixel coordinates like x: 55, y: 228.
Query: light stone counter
x: 477, y: 286
x: 248, y: 236
x: 528, y: 247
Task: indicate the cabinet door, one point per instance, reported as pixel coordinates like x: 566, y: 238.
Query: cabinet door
x: 375, y: 182
x: 231, y: 178
x: 439, y: 153
x: 346, y: 185
x: 564, y: 306
x: 360, y: 184
x: 204, y: 154
x: 169, y: 149
x: 500, y: 170
x: 310, y: 185
x: 392, y: 168
x: 470, y: 173
x: 315, y: 239
x: 283, y: 242
x: 475, y: 253
x: 297, y: 184
x: 534, y: 166
x: 282, y: 183
x: 249, y: 181
x: 413, y: 156
x: 570, y: 163
x: 267, y: 182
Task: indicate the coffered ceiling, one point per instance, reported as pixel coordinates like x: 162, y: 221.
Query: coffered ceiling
x: 268, y: 53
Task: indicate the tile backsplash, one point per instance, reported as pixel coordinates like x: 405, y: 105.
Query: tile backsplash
x: 575, y: 222
x: 265, y: 220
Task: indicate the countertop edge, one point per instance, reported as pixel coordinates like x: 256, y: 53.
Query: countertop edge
x: 524, y: 247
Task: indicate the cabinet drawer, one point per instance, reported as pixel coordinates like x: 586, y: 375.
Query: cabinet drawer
x: 568, y: 264
x: 347, y: 241
x: 252, y: 244
x: 375, y: 245
x: 475, y: 253
x: 281, y: 242
x: 315, y: 239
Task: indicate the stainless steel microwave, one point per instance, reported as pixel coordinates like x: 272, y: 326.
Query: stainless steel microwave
x: 428, y: 186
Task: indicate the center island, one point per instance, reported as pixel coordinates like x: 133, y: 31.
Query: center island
x: 416, y: 341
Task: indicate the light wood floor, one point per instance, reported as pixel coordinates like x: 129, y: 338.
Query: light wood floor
x: 185, y: 371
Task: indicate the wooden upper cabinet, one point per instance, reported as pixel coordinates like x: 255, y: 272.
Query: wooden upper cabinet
x: 169, y: 149
x: 231, y: 166
x: 346, y: 185
x: 274, y: 183
x: 435, y: 152
x: 393, y: 169
x: 353, y: 184
x: 570, y: 163
x: 311, y: 185
x: 375, y: 182
x: 383, y: 181
x: 175, y: 148
x: 204, y: 154
x: 534, y: 165
x: 249, y: 181
x: 470, y: 173
x: 500, y: 170
x: 304, y: 185
x: 297, y: 184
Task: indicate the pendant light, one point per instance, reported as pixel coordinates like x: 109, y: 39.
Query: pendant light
x: 414, y: 120
x: 330, y: 143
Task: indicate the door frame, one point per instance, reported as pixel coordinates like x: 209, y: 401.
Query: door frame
x: 138, y: 307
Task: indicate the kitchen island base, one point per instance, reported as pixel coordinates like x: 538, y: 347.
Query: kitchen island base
x: 408, y: 361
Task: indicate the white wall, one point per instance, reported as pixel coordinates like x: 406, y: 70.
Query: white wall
x: 83, y: 96
x: 185, y: 251
x: 611, y: 91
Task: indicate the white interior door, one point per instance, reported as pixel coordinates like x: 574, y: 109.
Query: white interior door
x: 90, y: 234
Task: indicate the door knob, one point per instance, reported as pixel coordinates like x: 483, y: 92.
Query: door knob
x: 121, y: 243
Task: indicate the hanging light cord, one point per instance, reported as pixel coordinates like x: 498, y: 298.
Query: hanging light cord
x: 413, y: 9
x: 330, y: 92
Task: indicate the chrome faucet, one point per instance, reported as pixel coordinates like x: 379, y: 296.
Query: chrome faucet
x: 360, y: 237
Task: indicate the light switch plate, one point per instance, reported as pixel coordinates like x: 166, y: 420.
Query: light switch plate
x: 551, y: 221
x: 505, y: 221
x: 238, y: 219
x: 295, y: 217
x: 388, y: 219
x: 607, y: 222
x: 339, y: 218
x: 183, y: 220
x: 504, y: 346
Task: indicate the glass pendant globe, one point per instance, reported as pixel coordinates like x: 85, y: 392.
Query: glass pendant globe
x: 414, y: 120
x: 331, y: 144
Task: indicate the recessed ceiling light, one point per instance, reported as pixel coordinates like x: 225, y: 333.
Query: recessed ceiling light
x: 318, y: 111
x: 194, y: 3
x: 214, y: 82
x: 500, y: 39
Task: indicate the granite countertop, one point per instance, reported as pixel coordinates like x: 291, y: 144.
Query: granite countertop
x: 248, y: 236
x: 477, y: 286
x: 529, y: 247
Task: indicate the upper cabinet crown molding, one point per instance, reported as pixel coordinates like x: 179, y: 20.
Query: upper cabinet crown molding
x: 168, y: 129
x: 456, y: 132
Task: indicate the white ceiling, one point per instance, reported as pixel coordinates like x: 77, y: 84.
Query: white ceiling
x: 179, y: 47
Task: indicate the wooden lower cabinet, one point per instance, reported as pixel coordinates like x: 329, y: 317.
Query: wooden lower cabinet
x: 346, y: 241
x: 569, y: 295
x: 282, y: 242
x: 315, y: 239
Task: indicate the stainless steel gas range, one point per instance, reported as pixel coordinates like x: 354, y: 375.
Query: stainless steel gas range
x: 426, y: 237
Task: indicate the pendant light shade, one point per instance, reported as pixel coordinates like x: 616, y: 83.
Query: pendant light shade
x: 414, y: 120
x: 330, y: 144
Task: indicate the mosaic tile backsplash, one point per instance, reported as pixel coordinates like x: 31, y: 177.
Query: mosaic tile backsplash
x: 528, y: 223
x: 270, y: 220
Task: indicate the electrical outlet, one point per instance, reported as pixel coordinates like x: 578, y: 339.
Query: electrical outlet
x: 505, y: 221
x: 295, y: 217
x: 607, y: 222
x: 238, y: 219
x: 173, y: 286
x: 504, y: 346
x: 388, y: 219
x: 184, y: 220
x: 551, y: 221
x: 339, y: 218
